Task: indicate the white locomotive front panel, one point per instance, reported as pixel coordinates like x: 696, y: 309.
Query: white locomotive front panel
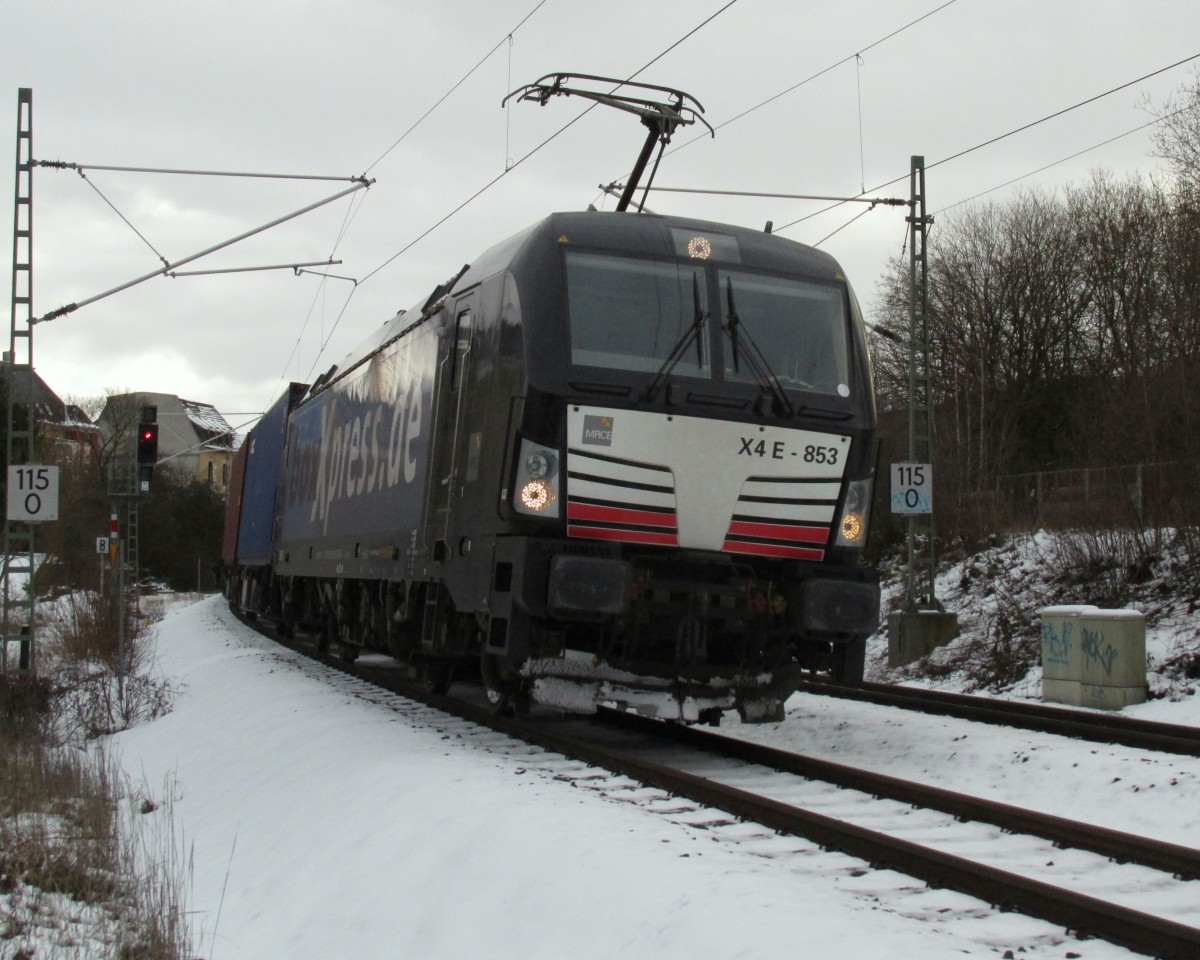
x: 642, y: 477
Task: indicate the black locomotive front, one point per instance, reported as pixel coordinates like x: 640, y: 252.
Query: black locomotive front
x: 690, y: 469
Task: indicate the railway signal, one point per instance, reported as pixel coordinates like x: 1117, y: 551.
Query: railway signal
x: 147, y: 446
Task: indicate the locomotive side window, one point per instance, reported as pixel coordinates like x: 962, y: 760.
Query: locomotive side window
x: 629, y: 314
x: 462, y: 345
x: 800, y: 326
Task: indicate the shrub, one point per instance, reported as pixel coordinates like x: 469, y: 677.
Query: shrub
x: 100, y: 688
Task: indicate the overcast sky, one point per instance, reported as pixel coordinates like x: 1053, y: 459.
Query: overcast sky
x: 326, y: 89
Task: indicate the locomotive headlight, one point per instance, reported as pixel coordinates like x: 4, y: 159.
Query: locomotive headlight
x: 539, y: 464
x: 536, y: 496
x: 536, y: 484
x: 852, y: 525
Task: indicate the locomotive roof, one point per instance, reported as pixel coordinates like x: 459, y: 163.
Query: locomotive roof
x: 649, y: 234
x: 645, y: 233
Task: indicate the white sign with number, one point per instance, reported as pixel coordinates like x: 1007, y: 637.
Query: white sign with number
x: 912, y: 488
x: 32, y: 493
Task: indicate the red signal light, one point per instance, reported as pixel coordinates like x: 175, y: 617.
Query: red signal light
x: 147, y: 448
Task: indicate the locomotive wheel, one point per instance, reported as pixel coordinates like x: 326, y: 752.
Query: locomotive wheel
x: 711, y: 717
x: 848, y: 661
x: 440, y: 675
x: 501, y: 691
x: 327, y: 634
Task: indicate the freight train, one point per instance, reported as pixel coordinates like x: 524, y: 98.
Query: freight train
x: 619, y: 458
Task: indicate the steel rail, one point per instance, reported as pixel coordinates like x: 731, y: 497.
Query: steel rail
x: 1079, y: 913
x: 1181, y: 861
x: 1082, y: 724
x: 1084, y: 915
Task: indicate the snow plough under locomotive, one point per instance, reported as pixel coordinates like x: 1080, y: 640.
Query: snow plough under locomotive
x: 618, y: 458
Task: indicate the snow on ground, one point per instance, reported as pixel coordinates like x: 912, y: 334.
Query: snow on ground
x: 323, y: 824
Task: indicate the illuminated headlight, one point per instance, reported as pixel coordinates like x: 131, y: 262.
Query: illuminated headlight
x: 536, y: 496
x: 852, y: 525
x: 535, y: 490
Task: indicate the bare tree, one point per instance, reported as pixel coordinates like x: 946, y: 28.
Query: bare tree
x: 118, y: 420
x: 1177, y: 136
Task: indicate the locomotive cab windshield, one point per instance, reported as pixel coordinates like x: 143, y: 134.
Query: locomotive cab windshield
x: 651, y: 316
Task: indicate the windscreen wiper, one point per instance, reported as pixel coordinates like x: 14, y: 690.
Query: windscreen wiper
x: 764, y: 376
x: 691, y: 333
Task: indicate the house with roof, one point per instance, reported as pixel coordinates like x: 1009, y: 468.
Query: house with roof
x: 193, y: 436
x: 64, y: 433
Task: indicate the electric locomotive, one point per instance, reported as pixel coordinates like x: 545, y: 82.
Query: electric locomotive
x: 619, y: 458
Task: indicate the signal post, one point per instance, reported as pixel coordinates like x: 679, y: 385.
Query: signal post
x: 922, y: 624
x: 130, y: 482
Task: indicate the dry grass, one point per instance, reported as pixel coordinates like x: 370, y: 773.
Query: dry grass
x: 89, y: 864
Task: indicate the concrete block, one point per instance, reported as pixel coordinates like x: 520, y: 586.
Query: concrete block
x: 1093, y: 657
x: 1113, y: 648
x: 1061, y: 651
x: 1068, y: 692
x: 1110, y: 698
x: 912, y: 636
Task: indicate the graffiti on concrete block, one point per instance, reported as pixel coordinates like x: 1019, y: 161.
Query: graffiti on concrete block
x: 1095, y: 647
x: 1056, y: 646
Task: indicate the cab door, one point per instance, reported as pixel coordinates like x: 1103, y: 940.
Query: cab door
x: 450, y: 427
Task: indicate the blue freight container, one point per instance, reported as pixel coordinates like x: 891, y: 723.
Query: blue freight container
x: 264, y: 459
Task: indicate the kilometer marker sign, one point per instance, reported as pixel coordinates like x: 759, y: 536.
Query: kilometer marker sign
x: 32, y: 493
x: 912, y: 488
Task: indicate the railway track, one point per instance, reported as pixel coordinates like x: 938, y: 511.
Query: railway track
x: 783, y: 791
x: 1082, y: 724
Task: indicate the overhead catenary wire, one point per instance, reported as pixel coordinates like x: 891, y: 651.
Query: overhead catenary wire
x: 820, y: 73
x: 412, y: 243
x: 947, y: 159
x: 231, y: 432
x: 561, y: 130
x: 994, y: 140
x: 873, y: 201
x: 482, y: 60
x: 1055, y: 163
x: 167, y: 267
x: 491, y: 183
x: 79, y: 167
x: 857, y: 216
x: 124, y: 219
x: 1082, y: 103
x: 857, y: 56
x: 862, y: 153
x: 347, y: 219
x: 353, y: 210
x: 295, y: 267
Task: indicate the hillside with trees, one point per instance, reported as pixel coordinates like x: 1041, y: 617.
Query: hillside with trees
x: 1065, y: 343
